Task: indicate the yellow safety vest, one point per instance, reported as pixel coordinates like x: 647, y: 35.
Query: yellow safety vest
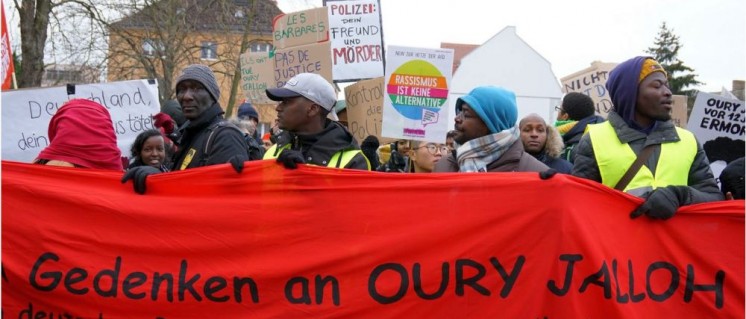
x: 614, y: 159
x: 334, y: 162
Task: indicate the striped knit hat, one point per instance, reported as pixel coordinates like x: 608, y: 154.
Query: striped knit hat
x: 201, y: 74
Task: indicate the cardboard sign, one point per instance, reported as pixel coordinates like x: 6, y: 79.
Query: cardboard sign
x: 679, y: 109
x: 267, y: 112
x: 311, y: 58
x: 417, y: 84
x: 357, y: 39
x: 365, y: 109
x: 26, y: 114
x: 301, y: 27
x: 306, y: 243
x: 592, y: 82
x: 257, y: 74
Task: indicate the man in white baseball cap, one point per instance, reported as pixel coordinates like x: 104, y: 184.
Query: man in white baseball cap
x: 308, y: 137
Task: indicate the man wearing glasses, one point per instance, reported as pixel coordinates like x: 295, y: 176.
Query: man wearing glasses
x: 486, y: 130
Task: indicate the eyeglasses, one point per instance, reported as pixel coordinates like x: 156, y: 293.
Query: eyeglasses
x: 433, y: 149
x: 558, y: 109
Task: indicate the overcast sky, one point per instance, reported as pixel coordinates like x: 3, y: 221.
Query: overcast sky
x: 573, y: 33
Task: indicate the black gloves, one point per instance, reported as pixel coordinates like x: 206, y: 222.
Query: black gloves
x: 138, y: 176
x: 548, y: 173
x: 290, y: 159
x: 237, y: 163
x: 663, y: 202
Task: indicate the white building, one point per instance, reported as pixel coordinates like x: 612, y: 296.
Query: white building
x: 506, y: 60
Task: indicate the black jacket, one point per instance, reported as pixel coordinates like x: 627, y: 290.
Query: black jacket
x: 227, y: 141
x: 318, y: 149
x: 572, y: 137
x: 560, y: 165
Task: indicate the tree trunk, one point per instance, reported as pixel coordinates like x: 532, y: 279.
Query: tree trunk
x: 237, y: 74
x: 34, y: 20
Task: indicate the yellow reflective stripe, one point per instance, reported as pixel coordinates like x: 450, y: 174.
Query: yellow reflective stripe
x: 347, y: 156
x: 270, y: 153
x: 614, y: 159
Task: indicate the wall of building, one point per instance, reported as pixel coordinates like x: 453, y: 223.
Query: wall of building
x: 506, y: 60
x: 125, y: 67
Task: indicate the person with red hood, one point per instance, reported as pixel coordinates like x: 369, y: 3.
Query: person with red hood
x: 81, y: 134
x: 676, y: 171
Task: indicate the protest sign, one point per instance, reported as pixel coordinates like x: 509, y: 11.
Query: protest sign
x: 718, y: 122
x: 26, y: 114
x: 714, y: 116
x: 318, y: 242
x: 301, y: 27
x: 257, y: 74
x: 310, y: 58
x: 679, y: 110
x: 357, y: 39
x: 267, y: 112
x: 417, y: 82
x: 591, y: 81
x: 364, y: 101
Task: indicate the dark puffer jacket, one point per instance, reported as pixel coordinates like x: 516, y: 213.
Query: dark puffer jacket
x: 227, y: 141
x: 318, y: 149
x: 572, y: 137
x: 701, y: 182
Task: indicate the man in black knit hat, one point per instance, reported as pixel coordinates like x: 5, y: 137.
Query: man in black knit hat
x: 206, y: 138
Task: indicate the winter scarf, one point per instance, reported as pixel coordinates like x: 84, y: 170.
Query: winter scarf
x: 475, y: 155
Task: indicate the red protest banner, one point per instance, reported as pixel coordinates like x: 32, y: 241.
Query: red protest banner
x: 6, y: 55
x: 318, y: 242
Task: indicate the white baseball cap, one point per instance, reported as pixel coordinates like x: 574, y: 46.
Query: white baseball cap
x: 309, y: 85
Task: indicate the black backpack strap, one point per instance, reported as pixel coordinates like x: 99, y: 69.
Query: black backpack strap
x: 213, y: 130
x: 636, y: 165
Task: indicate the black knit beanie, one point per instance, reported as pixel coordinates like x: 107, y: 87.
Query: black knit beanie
x: 201, y: 74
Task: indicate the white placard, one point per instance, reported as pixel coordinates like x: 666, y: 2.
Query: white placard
x: 417, y: 82
x: 356, y: 36
x: 718, y: 122
x: 26, y: 114
x: 716, y: 116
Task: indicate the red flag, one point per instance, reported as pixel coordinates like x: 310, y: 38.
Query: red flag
x: 7, y: 56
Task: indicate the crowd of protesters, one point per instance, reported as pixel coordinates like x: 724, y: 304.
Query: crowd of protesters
x: 636, y: 149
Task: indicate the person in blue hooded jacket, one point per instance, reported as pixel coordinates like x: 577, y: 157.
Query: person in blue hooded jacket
x: 677, y: 171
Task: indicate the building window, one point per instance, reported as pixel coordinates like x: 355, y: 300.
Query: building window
x: 150, y: 47
x: 209, y: 50
x: 261, y: 47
